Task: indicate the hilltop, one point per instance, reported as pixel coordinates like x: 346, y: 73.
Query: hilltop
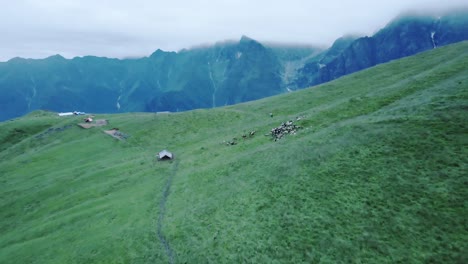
x: 375, y: 174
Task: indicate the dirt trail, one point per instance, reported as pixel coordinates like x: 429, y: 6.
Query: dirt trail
x: 162, y: 212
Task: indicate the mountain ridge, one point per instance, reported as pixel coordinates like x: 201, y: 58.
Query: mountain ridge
x: 225, y: 73
x: 404, y: 36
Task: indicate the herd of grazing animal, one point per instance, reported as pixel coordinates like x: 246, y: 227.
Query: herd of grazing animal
x: 276, y: 133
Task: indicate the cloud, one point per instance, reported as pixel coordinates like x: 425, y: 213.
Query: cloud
x: 118, y: 28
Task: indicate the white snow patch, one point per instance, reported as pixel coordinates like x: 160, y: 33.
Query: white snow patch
x: 213, y: 97
x: 289, y: 90
x: 322, y: 65
x: 238, y: 55
x: 34, y: 92
x: 118, y: 103
x: 433, y: 41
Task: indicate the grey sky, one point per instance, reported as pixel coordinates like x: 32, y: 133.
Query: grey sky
x: 130, y: 28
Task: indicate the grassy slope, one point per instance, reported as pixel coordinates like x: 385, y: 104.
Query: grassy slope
x: 378, y: 174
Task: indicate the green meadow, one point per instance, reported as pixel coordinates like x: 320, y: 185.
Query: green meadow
x: 377, y: 173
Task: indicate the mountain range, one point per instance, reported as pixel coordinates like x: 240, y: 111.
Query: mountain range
x: 370, y: 168
x: 225, y: 73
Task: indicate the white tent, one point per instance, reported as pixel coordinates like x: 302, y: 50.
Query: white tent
x: 165, y: 155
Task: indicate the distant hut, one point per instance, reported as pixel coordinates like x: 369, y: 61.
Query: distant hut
x: 65, y: 114
x: 165, y: 155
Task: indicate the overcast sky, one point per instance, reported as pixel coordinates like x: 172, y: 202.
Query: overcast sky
x: 135, y: 28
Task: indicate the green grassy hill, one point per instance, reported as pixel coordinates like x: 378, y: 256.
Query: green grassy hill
x: 377, y: 174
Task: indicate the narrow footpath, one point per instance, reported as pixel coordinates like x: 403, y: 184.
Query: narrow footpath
x: 162, y: 212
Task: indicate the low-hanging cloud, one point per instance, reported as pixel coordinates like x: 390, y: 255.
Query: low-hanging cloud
x: 118, y: 28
